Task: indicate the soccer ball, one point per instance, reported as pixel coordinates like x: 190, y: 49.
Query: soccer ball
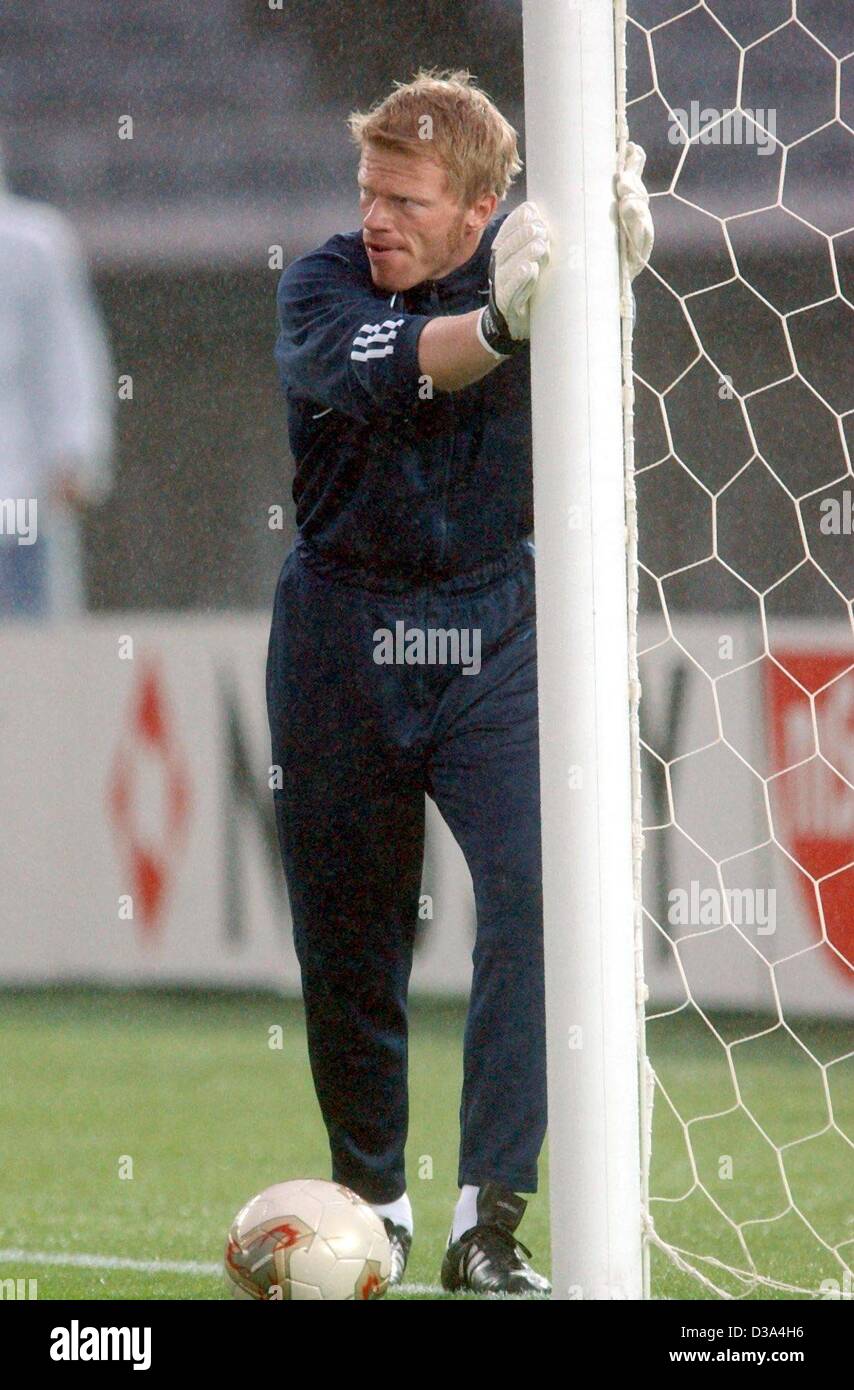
x: 307, y: 1239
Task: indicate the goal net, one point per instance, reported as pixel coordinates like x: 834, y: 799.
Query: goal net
x: 740, y: 501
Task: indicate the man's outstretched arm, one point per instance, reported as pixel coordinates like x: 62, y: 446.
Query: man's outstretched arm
x: 456, y: 350
x: 451, y: 353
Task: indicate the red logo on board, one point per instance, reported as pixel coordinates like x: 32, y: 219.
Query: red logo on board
x: 149, y: 739
x: 812, y: 803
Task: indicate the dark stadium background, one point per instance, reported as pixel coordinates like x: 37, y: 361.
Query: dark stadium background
x: 239, y: 144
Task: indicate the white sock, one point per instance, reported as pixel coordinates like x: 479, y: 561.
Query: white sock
x: 465, y: 1215
x: 400, y: 1212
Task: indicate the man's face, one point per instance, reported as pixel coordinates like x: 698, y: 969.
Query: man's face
x: 412, y: 226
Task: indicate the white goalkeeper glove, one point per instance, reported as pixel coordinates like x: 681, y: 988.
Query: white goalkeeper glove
x: 633, y: 208
x: 519, y: 250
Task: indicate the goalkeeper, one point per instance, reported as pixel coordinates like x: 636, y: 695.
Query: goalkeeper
x: 402, y: 354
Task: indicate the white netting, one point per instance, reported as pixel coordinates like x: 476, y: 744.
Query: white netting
x: 741, y: 468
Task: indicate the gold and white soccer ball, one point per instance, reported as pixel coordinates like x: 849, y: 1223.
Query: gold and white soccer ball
x: 307, y: 1240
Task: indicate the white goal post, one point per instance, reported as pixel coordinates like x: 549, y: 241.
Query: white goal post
x: 742, y: 476
x: 589, y: 876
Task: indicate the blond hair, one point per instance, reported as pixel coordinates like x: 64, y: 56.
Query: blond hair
x: 443, y: 115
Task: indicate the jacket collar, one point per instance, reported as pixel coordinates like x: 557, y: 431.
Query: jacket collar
x: 471, y: 272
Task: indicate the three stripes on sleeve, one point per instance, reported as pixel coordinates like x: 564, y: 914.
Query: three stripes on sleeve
x: 375, y: 340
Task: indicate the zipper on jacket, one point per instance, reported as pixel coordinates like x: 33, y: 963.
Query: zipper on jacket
x: 436, y: 307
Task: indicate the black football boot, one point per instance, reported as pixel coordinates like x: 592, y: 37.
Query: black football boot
x: 400, y: 1240
x: 487, y: 1258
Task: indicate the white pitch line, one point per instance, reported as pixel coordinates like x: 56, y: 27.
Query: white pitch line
x: 59, y: 1257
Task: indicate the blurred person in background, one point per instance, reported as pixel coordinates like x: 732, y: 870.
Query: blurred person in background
x: 56, y: 421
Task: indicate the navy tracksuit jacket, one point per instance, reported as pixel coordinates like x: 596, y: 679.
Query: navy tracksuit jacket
x: 413, y: 509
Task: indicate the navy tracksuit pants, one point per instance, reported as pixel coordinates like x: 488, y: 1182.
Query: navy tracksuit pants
x: 359, y: 743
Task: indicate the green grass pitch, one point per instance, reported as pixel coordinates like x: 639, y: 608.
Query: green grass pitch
x: 187, y: 1090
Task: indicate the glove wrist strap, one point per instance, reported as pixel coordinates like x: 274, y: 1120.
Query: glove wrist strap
x: 493, y: 333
